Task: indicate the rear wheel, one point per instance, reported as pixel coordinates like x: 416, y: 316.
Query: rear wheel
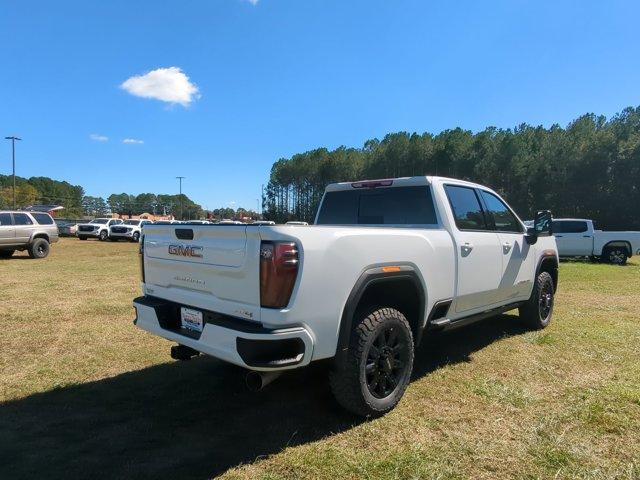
x: 615, y: 255
x: 103, y: 235
x: 6, y: 253
x: 375, y: 374
x: 536, y: 313
x: 39, y: 248
x: 136, y: 236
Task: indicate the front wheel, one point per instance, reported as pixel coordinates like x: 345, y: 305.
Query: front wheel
x: 103, y: 235
x: 536, y: 313
x: 376, y: 372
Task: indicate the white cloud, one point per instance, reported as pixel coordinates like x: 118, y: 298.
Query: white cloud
x: 133, y: 141
x: 98, y: 138
x: 253, y: 2
x: 169, y: 85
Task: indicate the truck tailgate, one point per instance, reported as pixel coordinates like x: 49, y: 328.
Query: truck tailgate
x: 214, y: 267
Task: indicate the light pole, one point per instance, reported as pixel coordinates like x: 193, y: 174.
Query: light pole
x: 180, y: 180
x: 13, y: 150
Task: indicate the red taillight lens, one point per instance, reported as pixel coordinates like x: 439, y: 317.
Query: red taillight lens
x: 278, y: 272
x: 141, y: 256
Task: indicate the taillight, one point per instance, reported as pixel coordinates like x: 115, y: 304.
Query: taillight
x: 141, y: 256
x: 278, y: 272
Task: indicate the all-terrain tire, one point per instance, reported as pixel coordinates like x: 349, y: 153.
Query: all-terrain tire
x: 103, y: 235
x: 39, y: 248
x: 615, y: 255
x: 136, y: 237
x: 537, y: 312
x: 375, y: 373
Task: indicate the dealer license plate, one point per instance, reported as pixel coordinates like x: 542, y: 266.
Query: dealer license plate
x: 191, y: 319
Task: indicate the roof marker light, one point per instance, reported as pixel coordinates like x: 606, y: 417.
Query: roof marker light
x: 372, y: 184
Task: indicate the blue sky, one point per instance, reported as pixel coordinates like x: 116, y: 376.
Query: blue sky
x: 277, y: 77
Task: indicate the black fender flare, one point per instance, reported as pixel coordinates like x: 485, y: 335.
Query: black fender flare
x: 375, y: 275
x: 546, y: 256
x: 627, y: 245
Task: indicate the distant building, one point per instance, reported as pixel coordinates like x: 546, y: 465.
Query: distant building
x: 145, y: 216
x: 50, y: 209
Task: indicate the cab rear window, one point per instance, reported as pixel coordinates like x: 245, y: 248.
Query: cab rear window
x: 378, y: 206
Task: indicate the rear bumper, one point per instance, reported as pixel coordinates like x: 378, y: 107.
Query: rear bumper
x: 237, y: 341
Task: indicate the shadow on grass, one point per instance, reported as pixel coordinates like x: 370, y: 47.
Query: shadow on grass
x: 189, y: 419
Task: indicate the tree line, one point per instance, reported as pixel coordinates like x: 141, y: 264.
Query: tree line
x: 46, y: 191
x: 589, y: 169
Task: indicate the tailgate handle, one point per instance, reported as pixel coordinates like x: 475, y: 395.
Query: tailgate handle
x: 184, y: 233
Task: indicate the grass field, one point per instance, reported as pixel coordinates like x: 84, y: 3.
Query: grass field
x: 84, y: 394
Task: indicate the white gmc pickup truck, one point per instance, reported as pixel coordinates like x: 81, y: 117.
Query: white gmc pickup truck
x: 576, y: 237
x: 386, y: 262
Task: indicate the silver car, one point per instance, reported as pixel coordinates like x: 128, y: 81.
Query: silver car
x: 31, y: 231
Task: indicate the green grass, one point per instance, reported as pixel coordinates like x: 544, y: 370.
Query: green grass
x: 85, y: 394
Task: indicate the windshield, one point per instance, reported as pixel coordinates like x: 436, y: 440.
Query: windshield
x: 101, y: 221
x: 132, y: 222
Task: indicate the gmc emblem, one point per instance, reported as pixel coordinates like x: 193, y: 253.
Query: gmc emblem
x: 185, y: 251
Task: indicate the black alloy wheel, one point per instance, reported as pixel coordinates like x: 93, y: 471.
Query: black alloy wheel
x: 386, y: 362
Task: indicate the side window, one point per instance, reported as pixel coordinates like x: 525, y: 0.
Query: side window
x: 557, y: 226
x: 5, y: 219
x: 504, y: 220
x: 569, y: 226
x: 466, y: 208
x: 22, y: 219
x: 43, y: 218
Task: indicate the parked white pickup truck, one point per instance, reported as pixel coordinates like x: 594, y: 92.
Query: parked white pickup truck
x: 127, y: 230
x: 576, y: 237
x: 386, y: 262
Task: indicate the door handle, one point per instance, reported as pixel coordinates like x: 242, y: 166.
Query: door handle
x: 466, y: 249
x: 506, y: 247
x: 586, y: 236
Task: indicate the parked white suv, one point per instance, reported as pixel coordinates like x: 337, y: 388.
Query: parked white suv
x: 97, y: 228
x: 386, y: 263
x: 128, y: 230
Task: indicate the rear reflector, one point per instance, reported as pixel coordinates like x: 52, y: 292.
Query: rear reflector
x: 278, y: 272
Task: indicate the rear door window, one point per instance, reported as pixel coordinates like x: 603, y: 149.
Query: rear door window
x: 466, y: 207
x: 22, y: 219
x: 379, y: 206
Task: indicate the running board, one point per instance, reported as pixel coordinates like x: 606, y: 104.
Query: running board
x: 447, y: 323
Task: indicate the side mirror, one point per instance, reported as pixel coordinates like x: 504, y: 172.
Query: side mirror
x: 541, y: 226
